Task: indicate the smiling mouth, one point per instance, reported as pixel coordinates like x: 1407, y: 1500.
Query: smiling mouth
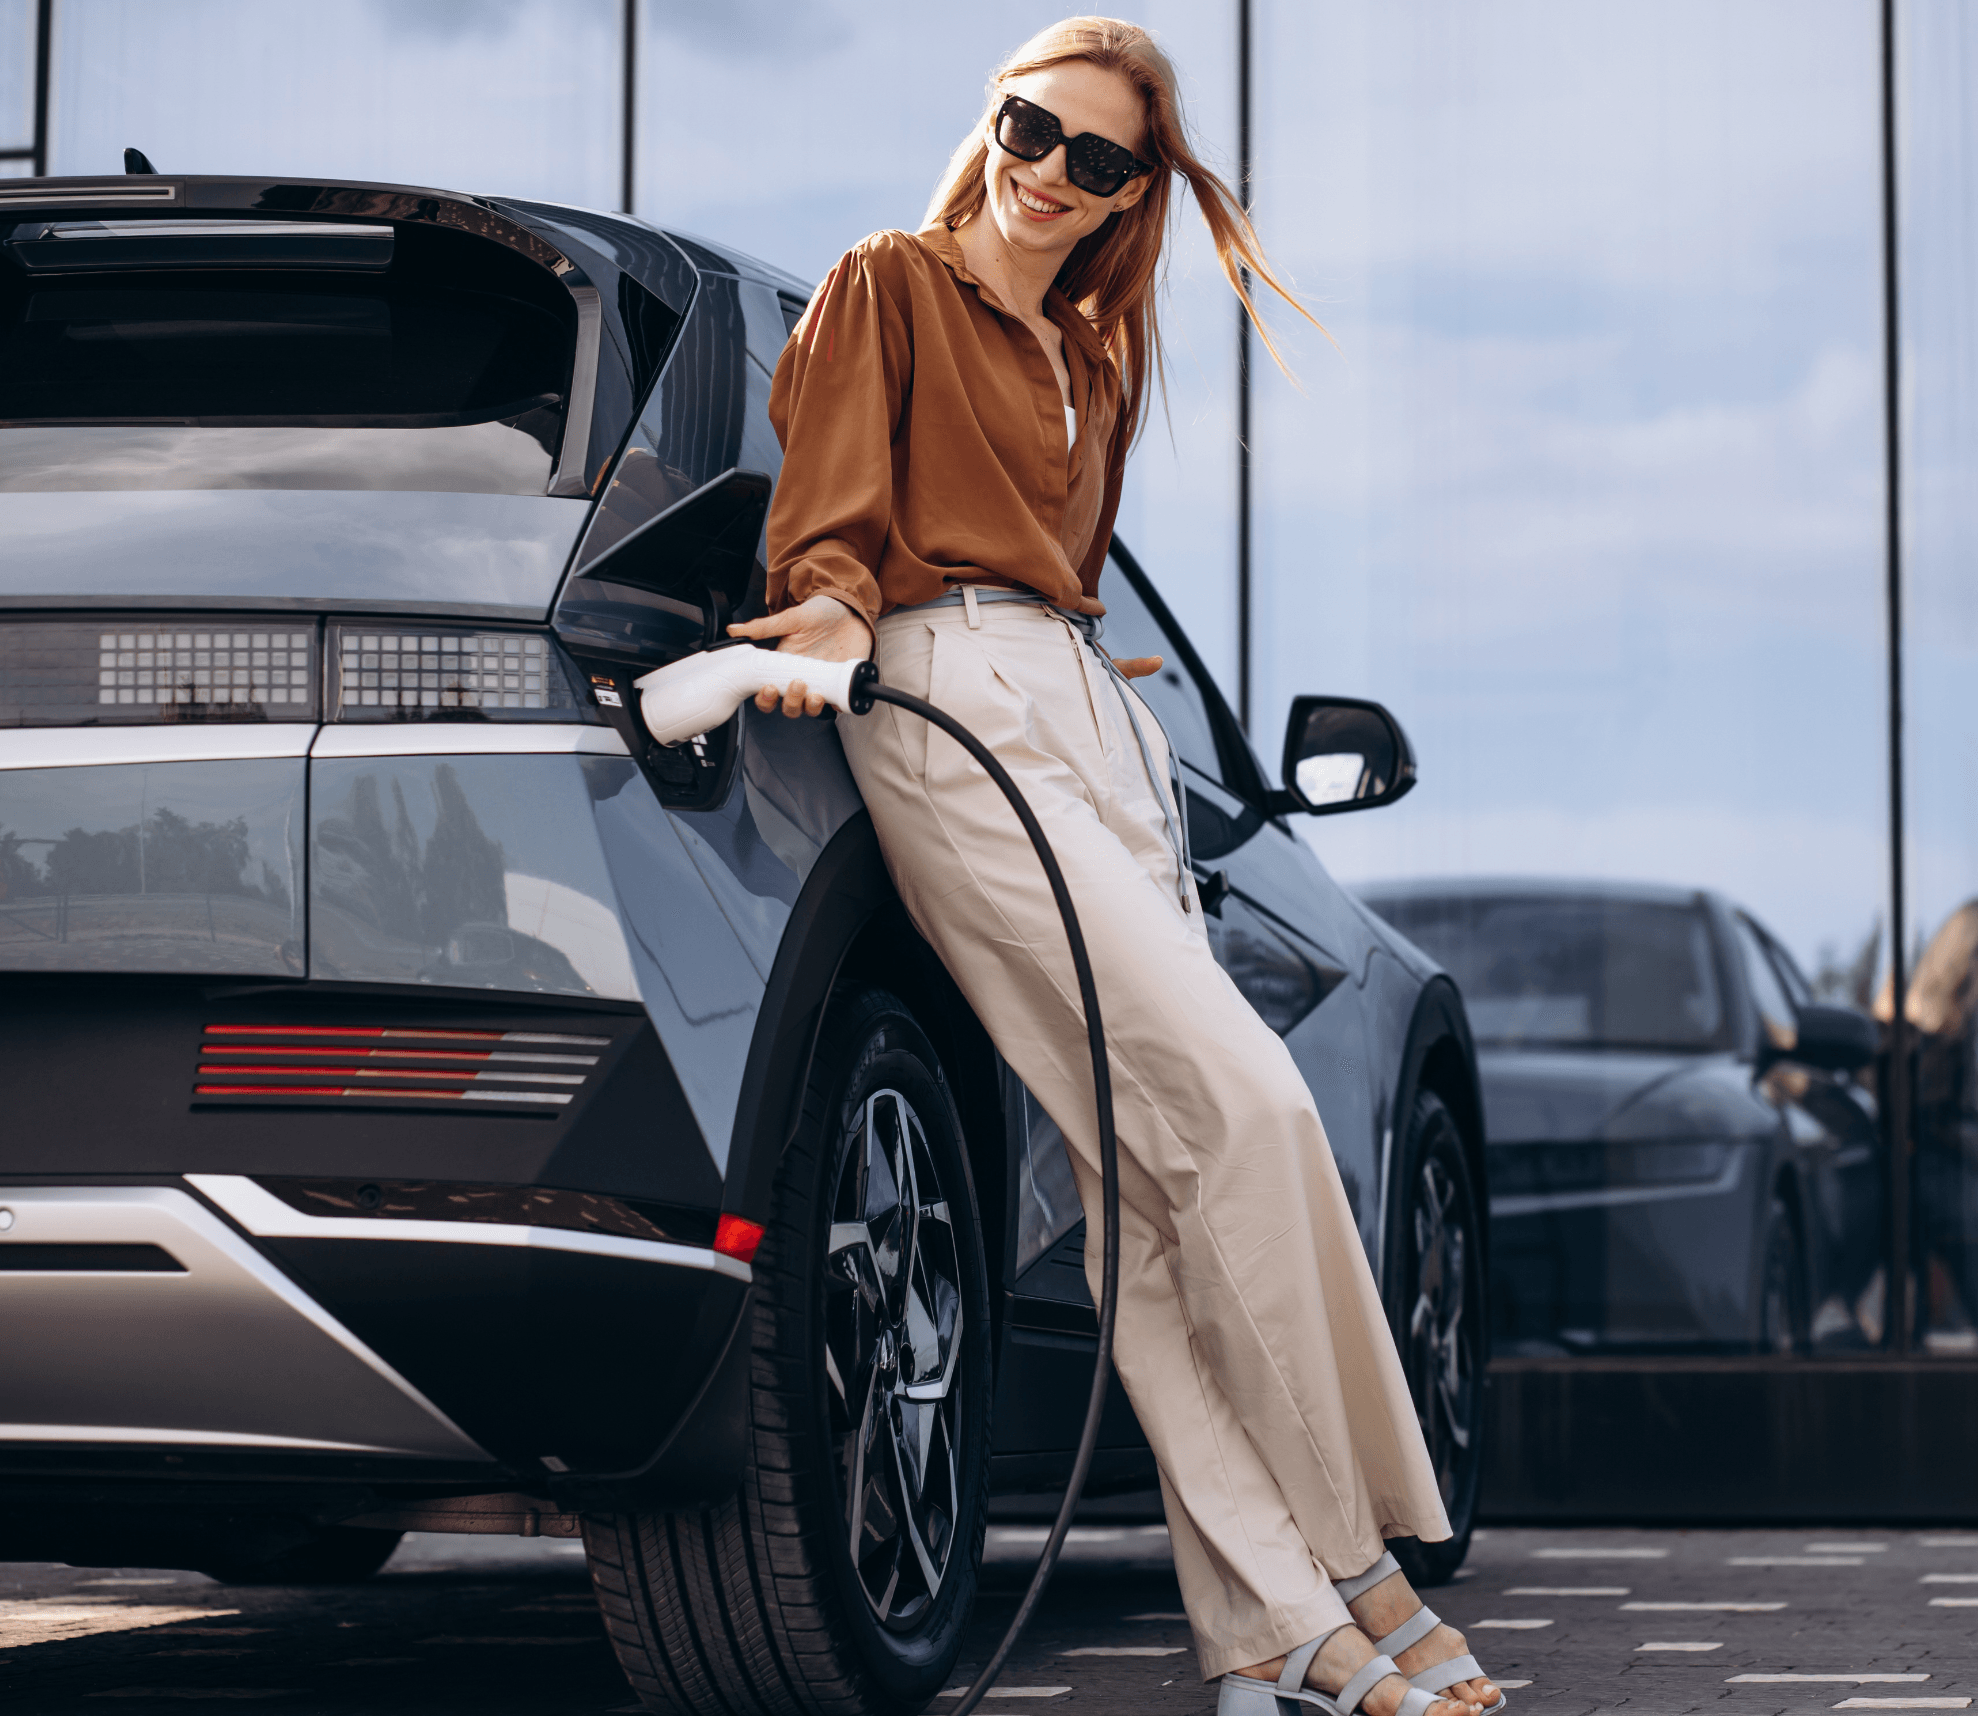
x: 1036, y: 203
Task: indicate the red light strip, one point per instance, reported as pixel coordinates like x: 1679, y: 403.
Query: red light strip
x: 403, y: 1055
x: 391, y: 1072
x: 290, y: 1090
x: 401, y: 1032
x: 341, y: 1031
x: 536, y: 1096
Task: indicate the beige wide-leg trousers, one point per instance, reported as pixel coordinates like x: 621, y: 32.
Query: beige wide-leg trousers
x: 1250, y: 1336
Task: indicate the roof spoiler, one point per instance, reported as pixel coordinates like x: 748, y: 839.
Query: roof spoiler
x: 158, y: 196
x: 155, y: 197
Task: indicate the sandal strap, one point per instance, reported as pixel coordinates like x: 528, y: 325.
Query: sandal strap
x: 1375, y: 1670
x: 1242, y: 1696
x: 1440, y: 1676
x: 1292, y: 1681
x: 1415, y: 1702
x: 1351, y: 1590
x: 1412, y: 1631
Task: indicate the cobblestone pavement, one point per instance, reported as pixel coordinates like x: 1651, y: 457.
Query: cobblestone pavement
x: 1571, y: 1622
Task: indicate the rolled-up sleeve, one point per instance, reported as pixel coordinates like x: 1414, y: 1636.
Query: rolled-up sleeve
x: 835, y: 406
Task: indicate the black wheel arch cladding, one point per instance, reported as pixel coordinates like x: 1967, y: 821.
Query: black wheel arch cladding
x: 848, y: 923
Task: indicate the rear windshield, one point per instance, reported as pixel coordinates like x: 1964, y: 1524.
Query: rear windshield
x: 445, y: 370
x: 1538, y: 971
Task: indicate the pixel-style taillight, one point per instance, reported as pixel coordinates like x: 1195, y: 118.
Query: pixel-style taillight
x: 82, y: 673
x: 401, y: 673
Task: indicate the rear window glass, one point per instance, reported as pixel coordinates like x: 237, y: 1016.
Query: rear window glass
x: 448, y: 371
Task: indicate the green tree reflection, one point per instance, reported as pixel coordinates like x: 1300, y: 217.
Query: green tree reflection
x: 165, y: 853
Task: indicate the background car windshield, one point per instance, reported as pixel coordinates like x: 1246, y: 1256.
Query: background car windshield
x: 1575, y: 972
x: 242, y: 381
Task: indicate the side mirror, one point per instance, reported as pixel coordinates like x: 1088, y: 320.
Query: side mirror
x: 1340, y: 754
x: 1837, y: 1039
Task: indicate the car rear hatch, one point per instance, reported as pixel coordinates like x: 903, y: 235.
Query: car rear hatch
x: 186, y: 404
x: 221, y: 381
x: 229, y: 411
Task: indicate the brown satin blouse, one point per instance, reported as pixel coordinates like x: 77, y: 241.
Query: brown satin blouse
x: 924, y: 439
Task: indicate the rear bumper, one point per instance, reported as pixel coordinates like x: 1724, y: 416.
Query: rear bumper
x: 204, y: 1326
x: 134, y: 1315
x: 266, y: 1216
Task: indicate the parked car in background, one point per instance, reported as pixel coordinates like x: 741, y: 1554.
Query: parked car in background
x: 1683, y: 1150
x: 431, y: 1104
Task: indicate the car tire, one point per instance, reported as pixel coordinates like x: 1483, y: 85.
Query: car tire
x: 1436, y: 1300
x: 759, y: 1603
x: 1782, y: 1315
x: 336, y: 1555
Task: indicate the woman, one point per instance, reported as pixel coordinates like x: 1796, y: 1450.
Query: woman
x: 956, y: 408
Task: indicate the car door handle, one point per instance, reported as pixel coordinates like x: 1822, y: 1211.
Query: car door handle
x: 1213, y: 889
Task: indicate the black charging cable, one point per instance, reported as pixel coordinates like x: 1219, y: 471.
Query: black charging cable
x: 866, y: 691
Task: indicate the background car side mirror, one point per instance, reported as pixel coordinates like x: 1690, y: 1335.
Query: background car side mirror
x: 1342, y: 753
x: 1836, y: 1039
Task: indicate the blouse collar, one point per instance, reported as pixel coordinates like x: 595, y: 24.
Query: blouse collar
x: 943, y: 243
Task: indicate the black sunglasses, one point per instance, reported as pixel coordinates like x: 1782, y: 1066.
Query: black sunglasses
x: 1029, y: 132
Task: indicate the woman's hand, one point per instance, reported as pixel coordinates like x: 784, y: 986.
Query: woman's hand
x: 823, y: 627
x: 1135, y: 666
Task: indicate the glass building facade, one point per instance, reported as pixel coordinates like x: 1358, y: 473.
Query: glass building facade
x: 1587, y: 479
x: 1591, y: 495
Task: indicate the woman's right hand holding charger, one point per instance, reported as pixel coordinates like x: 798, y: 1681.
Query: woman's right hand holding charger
x: 823, y: 627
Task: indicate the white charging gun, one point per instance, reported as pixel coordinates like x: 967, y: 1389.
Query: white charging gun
x: 699, y: 692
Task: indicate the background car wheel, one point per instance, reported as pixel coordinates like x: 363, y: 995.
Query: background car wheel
x: 337, y: 1555
x: 841, y: 1576
x: 1782, y: 1315
x: 1436, y: 1299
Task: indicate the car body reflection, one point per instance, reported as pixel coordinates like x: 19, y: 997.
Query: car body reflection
x: 184, y: 866
x: 1668, y: 1172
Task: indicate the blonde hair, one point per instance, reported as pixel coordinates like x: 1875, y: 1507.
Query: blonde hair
x: 1113, y: 275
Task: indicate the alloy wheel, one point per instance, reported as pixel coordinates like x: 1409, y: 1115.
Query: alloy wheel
x: 1441, y: 1346
x: 892, y: 1352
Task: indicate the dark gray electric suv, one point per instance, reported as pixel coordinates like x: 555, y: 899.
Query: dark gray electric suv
x: 1683, y: 1146
x: 432, y: 1105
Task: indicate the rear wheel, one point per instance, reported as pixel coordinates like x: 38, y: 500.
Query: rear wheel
x: 1438, y: 1310
x: 841, y: 1575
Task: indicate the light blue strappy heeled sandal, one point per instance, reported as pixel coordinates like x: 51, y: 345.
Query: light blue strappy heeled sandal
x: 1242, y: 1696
x: 1438, y: 1677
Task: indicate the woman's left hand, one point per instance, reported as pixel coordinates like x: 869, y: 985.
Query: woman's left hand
x: 824, y: 627
x: 1139, y: 666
